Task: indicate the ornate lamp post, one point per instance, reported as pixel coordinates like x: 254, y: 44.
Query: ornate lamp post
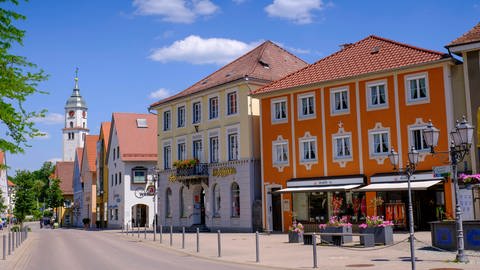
x: 462, y: 136
x: 409, y: 170
x: 156, y: 173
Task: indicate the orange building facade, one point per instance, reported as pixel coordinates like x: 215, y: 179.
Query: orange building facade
x: 327, y: 130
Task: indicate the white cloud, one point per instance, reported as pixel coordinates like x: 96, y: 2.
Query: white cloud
x: 176, y: 11
x: 298, y: 11
x: 197, y: 50
x: 161, y: 93
x: 50, y: 119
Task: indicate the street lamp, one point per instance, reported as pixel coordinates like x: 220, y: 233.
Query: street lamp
x: 462, y: 136
x: 409, y: 170
x: 156, y: 173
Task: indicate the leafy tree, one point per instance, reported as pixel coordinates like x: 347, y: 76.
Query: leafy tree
x: 3, y: 206
x: 24, y: 195
x: 19, y: 80
x: 54, y: 194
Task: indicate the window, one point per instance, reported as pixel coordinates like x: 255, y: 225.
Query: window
x: 280, y: 153
x: 233, y: 146
x: 307, y: 106
x: 216, y: 200
x: 181, y: 116
x: 182, y: 153
x: 119, y: 178
x: 116, y: 180
x: 114, y: 153
x: 308, y: 150
x: 377, y: 95
x: 197, y: 111
x: 231, y: 103
x: 168, y: 201
x: 139, y: 175
x: 417, y: 88
x: 342, y: 146
x: 213, y: 108
x: 380, y: 143
x: 118, y: 151
x: 111, y: 180
x: 116, y: 213
x: 166, y: 120
x: 197, y: 149
x: 71, y: 124
x: 418, y: 140
x: 167, y: 156
x: 182, y: 203
x: 213, y: 149
x: 339, y: 100
x: 235, y: 200
x: 279, y: 110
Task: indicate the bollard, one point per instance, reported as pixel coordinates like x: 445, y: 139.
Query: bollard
x: 4, y: 247
x: 126, y: 231
x: 9, y: 243
x: 13, y: 241
x: 257, y: 249
x: 122, y: 228
x: 17, y: 241
x: 183, y: 237
x: 145, y: 232
x: 138, y: 231
x: 198, y: 240
x: 314, y: 244
x: 219, y: 244
x: 171, y: 231
x: 161, y: 233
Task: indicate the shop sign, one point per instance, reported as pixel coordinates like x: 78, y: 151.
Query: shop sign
x: 224, y: 171
x: 150, y: 190
x: 286, y: 205
x: 442, y: 171
x: 465, y: 199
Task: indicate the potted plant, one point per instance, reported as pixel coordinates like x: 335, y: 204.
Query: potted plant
x: 86, y: 223
x: 336, y: 224
x: 185, y: 164
x: 295, y: 232
x: 380, y: 228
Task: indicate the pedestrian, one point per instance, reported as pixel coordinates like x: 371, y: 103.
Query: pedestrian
x: 41, y: 223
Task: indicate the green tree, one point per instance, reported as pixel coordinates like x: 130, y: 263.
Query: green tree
x: 3, y: 206
x: 54, y: 194
x: 19, y: 80
x: 24, y: 195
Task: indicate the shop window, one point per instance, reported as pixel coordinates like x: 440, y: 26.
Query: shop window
x: 181, y: 116
x: 182, y: 203
x: 216, y: 201
x: 213, y: 108
x: 168, y: 203
x: 235, y: 190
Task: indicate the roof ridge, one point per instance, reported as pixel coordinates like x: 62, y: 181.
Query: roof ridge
x: 407, y: 45
x: 262, y: 48
x: 458, y: 41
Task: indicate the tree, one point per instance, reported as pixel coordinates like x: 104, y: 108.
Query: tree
x: 24, y: 195
x: 54, y: 194
x: 3, y: 207
x: 19, y: 80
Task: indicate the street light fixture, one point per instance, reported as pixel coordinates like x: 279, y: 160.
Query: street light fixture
x: 156, y: 173
x: 409, y: 170
x: 462, y: 136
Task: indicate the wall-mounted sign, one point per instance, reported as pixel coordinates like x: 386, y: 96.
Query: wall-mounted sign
x: 442, y: 171
x: 224, y: 171
x: 172, y: 178
x: 150, y: 190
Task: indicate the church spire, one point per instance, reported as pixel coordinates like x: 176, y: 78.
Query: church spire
x: 76, y: 79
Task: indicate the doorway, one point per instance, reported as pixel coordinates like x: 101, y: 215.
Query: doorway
x: 199, y: 206
x: 276, y: 210
x: 139, y: 215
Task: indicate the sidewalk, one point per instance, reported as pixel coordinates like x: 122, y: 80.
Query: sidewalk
x: 276, y: 252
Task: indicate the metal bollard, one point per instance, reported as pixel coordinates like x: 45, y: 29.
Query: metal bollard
x: 183, y: 237
x: 13, y: 241
x: 219, y: 244
x: 126, y: 231
x: 9, y: 243
x: 161, y: 233
x: 17, y: 241
x: 4, y: 247
x: 257, y: 248
x: 198, y: 240
x: 138, y: 231
x: 145, y: 232
x: 171, y: 232
x: 314, y: 244
x: 122, y: 228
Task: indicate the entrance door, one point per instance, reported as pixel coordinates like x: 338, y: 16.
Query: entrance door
x: 276, y: 210
x: 198, y: 205
x: 202, y: 207
x: 140, y: 215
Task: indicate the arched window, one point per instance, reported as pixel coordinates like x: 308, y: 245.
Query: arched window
x: 235, y: 200
x: 168, y: 203
x: 71, y: 124
x: 182, y: 203
x: 216, y: 200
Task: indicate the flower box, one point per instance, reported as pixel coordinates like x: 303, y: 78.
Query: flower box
x: 294, y: 237
x: 336, y: 229
x: 381, y: 235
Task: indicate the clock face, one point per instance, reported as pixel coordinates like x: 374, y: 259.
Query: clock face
x: 71, y: 113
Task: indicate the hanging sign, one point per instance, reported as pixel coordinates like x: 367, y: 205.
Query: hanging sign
x: 442, y: 171
x: 150, y: 191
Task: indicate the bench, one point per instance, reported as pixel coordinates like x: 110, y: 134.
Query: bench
x: 367, y: 239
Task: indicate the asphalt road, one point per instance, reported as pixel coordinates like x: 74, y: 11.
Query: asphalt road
x: 73, y: 249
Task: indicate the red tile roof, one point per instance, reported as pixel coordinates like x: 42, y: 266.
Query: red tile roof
x: 105, y: 130
x: 10, y: 183
x: 64, y: 172
x: 473, y: 35
x: 136, y: 143
x: 90, y: 149
x: 372, y: 54
x: 267, y: 62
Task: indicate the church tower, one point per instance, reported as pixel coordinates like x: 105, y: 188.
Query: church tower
x: 75, y: 127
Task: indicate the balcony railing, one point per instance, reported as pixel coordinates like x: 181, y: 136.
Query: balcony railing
x: 197, y: 171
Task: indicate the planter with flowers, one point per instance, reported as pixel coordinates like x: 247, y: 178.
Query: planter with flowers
x: 185, y: 164
x: 295, y: 233
x: 336, y: 225
x: 380, y: 228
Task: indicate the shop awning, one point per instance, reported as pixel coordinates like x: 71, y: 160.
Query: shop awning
x: 318, y: 188
x: 415, y: 185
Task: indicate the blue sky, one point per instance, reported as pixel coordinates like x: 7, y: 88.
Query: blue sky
x: 132, y: 53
